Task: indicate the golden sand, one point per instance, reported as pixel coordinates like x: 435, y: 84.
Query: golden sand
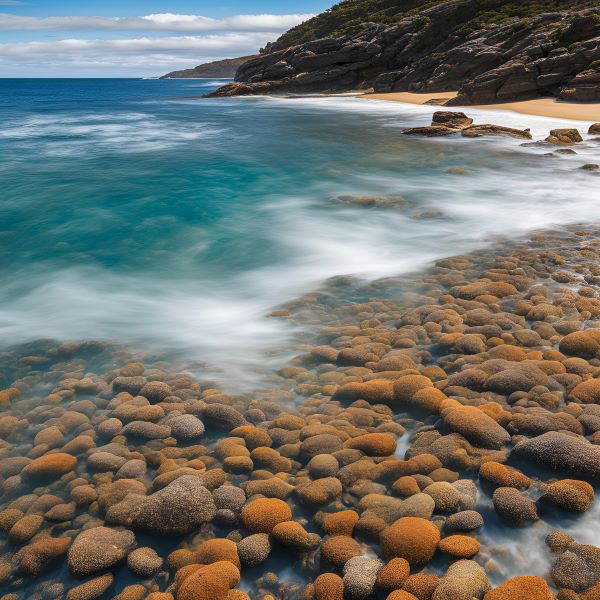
x: 542, y: 107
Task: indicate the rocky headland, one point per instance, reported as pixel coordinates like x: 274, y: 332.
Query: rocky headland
x: 489, y: 51
x: 225, y: 68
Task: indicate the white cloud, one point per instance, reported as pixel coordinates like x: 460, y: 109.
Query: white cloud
x: 154, y: 22
x: 139, y: 56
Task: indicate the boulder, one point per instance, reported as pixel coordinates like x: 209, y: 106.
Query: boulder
x: 495, y: 130
x: 563, y: 453
x: 99, y: 549
x: 411, y: 538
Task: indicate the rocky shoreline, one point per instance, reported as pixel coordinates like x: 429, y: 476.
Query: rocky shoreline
x: 372, y: 469
x: 490, y: 54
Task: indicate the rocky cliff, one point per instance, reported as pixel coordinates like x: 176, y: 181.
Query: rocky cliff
x: 489, y: 50
x: 219, y: 68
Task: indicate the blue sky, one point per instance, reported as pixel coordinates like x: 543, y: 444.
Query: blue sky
x: 68, y: 38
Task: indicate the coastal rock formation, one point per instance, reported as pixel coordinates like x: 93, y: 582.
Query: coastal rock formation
x: 489, y: 52
x: 225, y: 68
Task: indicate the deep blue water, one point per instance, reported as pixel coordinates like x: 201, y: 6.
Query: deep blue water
x: 135, y: 210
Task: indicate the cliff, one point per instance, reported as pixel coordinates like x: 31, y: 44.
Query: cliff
x: 489, y: 50
x: 218, y: 68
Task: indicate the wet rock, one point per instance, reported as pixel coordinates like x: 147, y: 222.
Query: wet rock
x: 209, y: 582
x: 254, y: 549
x: 454, y: 119
x: 329, y: 586
x: 577, y: 568
x: 446, y: 497
x: 105, y: 461
x: 464, y: 580
x: 320, y: 492
x: 477, y: 427
x: 521, y: 588
x: 485, y: 130
x: 563, y: 453
x: 499, y: 475
x: 24, y: 529
x: 146, y: 430
x: 336, y: 551
x: 179, y: 508
x: 155, y: 391
x: 144, y: 562
x: 513, y: 507
x: 594, y: 129
x: 466, y: 520
x: 186, y: 427
x: 570, y: 495
x: 561, y: 137
x: 587, y: 392
x: 431, y: 131
x: 340, y: 523
x: 293, y: 535
x: 217, y: 550
x: 131, y: 385
x: 49, y: 467
x: 261, y: 515
x: 373, y: 444
x: 360, y: 575
x: 323, y: 465
x: 98, y: 549
x: 223, y: 417
x: 459, y: 546
x: 585, y: 344
x: 411, y: 538
x: 393, y: 575
x: 43, y: 555
x: 90, y: 590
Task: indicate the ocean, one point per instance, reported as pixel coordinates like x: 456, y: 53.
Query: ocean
x: 138, y: 212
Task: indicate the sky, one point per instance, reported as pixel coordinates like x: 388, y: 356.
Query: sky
x: 135, y: 38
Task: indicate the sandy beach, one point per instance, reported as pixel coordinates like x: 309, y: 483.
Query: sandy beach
x: 542, y: 107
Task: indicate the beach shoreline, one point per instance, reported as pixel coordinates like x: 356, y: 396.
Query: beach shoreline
x: 541, y: 107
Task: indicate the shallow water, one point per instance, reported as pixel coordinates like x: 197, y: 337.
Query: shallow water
x: 132, y: 210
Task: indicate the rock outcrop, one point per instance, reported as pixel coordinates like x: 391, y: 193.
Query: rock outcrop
x: 225, y: 68
x: 490, y: 52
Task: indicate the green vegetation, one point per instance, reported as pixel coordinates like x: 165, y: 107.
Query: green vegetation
x: 348, y: 16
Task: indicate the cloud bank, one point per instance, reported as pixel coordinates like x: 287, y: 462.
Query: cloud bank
x: 134, y: 49
x: 155, y: 22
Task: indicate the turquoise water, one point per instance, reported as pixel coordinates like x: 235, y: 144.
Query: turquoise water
x: 133, y: 210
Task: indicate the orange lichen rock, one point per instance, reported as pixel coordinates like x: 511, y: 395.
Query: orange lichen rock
x: 210, y: 582
x: 340, y: 523
x: 401, y: 595
x: 373, y: 444
x: 338, y: 550
x: 393, y: 575
x: 459, y: 546
x: 521, y: 588
x: 48, y: 467
x: 261, y: 515
x: 407, y: 386
x: 411, y: 538
x: 500, y: 475
x: 217, y: 550
x: 375, y: 391
x: 329, y: 586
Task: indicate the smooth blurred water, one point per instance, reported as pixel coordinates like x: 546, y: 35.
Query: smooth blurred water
x: 134, y: 210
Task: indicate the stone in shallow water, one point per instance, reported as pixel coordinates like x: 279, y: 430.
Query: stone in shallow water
x: 98, y: 549
x: 254, y: 549
x: 179, y: 508
x: 563, y: 453
x: 360, y: 575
